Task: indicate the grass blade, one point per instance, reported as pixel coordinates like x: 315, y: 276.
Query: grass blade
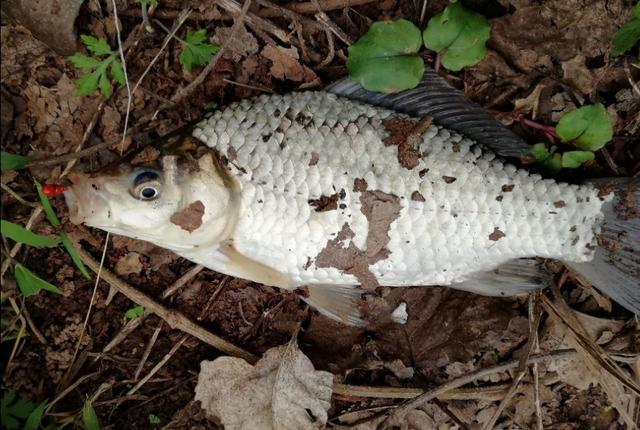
x: 74, y: 255
x: 17, y: 233
x: 46, y: 206
x: 10, y: 161
x: 30, y: 283
x: 89, y: 417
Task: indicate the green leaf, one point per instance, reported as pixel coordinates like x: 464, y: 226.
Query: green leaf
x: 195, y: 51
x: 95, y: 45
x: 135, y: 312
x: 89, y: 417
x: 386, y: 58
x: 12, y: 412
x: 10, y: 161
x: 540, y: 152
x: 154, y: 419
x: 88, y: 84
x: 30, y: 283
x: 35, y: 417
x: 459, y: 35
x: 73, y: 253
x: 117, y: 72
x: 589, y: 127
x: 553, y: 164
x: 84, y: 62
x: 46, y: 206
x: 105, y: 85
x: 627, y: 36
x: 574, y: 159
x: 17, y: 233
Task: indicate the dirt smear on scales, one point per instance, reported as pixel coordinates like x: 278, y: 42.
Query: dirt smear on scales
x: 130, y: 349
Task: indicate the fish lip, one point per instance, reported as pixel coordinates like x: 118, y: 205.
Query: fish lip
x: 76, y: 215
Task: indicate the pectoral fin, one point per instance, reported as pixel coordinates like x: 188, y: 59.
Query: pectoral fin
x: 512, y: 278
x: 241, y: 266
x: 338, y: 302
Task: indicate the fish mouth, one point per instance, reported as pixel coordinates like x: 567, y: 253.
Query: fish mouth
x: 85, y: 205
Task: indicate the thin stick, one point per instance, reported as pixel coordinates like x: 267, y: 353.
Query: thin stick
x: 158, y: 366
x: 181, y: 281
x: 186, y: 91
x: 147, y: 350
x: 174, y: 318
x: 16, y: 196
x: 311, y: 7
x: 633, y: 83
x: 122, y: 334
x: 234, y: 8
x: 459, y: 382
x: 31, y: 324
x: 93, y: 298
x: 522, y: 368
x: 181, y: 20
x: 126, y: 77
x: 69, y: 389
x: 19, y: 337
x: 536, y: 376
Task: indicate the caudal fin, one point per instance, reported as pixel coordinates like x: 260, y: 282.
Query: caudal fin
x: 615, y: 269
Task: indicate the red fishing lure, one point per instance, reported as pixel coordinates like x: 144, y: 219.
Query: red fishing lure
x: 53, y: 190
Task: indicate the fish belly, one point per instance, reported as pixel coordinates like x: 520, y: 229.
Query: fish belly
x: 327, y: 197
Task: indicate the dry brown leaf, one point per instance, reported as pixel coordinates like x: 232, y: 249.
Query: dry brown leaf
x: 128, y: 264
x: 244, y: 43
x: 286, y: 64
x: 576, y: 73
x: 531, y: 103
x: 282, y: 391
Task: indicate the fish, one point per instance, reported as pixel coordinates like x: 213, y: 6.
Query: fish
x: 339, y: 192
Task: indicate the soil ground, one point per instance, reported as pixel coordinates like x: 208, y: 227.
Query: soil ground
x: 544, y: 58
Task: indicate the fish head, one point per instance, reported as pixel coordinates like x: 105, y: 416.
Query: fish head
x: 180, y: 201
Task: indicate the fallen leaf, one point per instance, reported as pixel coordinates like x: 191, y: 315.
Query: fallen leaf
x: 285, y: 64
x: 129, y: 264
x: 576, y: 73
x: 282, y: 391
x: 531, y: 103
x: 244, y: 43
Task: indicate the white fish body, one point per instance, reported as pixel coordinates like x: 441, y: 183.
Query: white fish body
x: 318, y: 190
x: 458, y: 212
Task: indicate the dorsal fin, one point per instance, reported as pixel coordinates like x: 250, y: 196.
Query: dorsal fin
x: 435, y: 97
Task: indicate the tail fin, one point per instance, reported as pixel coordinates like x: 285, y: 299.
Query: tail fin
x: 615, y: 269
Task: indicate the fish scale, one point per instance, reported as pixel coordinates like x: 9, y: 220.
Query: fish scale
x: 465, y: 225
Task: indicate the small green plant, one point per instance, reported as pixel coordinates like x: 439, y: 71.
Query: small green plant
x: 89, y: 417
x: 135, y: 312
x: 588, y: 128
x: 628, y: 35
x: 14, y: 410
x: 386, y: 58
x: 195, y: 50
x: 153, y: 3
x: 154, y: 419
x: 10, y: 161
x: 105, y: 60
x: 459, y: 35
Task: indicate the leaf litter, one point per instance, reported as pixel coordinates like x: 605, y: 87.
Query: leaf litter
x: 447, y: 334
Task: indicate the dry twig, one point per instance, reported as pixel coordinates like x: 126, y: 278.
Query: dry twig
x: 147, y: 350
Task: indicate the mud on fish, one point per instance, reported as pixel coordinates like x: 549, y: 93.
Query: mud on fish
x: 342, y: 191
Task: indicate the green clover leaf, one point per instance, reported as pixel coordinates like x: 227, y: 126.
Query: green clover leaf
x: 386, y: 58
x: 588, y: 127
x: 459, y: 35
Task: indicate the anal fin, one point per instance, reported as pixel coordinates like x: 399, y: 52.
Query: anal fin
x: 338, y: 302
x: 513, y: 278
x: 241, y: 266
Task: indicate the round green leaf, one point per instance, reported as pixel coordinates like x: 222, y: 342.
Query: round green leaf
x: 385, y: 59
x: 574, y: 159
x: 589, y: 127
x: 540, y: 151
x: 626, y: 37
x: 553, y: 164
x: 459, y: 35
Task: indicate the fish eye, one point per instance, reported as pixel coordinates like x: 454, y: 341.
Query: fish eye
x: 146, y: 185
x: 148, y: 193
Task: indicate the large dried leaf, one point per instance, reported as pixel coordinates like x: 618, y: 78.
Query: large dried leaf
x: 282, y: 391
